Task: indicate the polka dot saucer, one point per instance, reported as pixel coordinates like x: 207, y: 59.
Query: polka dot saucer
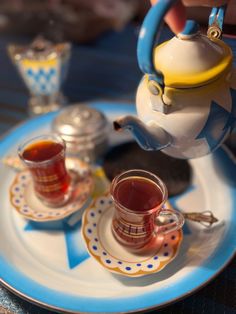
x: 24, y: 200
x: 101, y: 244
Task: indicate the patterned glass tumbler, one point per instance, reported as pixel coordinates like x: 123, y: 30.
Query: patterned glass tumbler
x: 139, y: 197
x: 43, y: 67
x: 44, y: 156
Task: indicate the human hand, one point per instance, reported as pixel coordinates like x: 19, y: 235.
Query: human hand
x: 176, y: 17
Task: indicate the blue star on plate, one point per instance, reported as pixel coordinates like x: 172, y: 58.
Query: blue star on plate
x: 71, y: 227
x: 76, y: 251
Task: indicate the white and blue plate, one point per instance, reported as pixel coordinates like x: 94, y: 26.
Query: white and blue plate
x: 48, y: 263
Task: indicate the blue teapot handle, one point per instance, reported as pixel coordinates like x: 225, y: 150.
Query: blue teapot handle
x: 147, y: 38
x: 151, y: 28
x: 216, y: 21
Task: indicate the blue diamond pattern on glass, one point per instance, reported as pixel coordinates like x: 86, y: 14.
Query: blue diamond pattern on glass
x: 42, y: 81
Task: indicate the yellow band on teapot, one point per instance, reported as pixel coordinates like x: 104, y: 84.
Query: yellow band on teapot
x: 181, y: 79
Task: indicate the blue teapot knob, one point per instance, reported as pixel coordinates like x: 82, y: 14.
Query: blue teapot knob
x: 190, y: 30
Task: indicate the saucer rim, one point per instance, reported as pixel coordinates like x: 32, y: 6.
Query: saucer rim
x: 117, y: 270
x: 50, y: 218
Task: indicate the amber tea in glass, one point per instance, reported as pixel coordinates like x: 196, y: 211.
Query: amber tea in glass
x: 44, y: 156
x: 139, y: 197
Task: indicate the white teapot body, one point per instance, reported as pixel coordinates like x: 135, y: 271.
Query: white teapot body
x: 198, y: 121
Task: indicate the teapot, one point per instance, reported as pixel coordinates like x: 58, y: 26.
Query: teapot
x: 186, y: 100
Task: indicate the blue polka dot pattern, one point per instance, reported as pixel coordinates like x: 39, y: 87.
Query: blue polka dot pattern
x: 109, y: 254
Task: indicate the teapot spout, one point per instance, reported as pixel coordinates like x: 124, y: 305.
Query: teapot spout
x: 149, y: 137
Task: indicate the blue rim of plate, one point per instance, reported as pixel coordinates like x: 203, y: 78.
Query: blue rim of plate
x: 23, y: 286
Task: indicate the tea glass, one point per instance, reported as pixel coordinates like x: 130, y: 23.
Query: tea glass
x: 44, y: 156
x: 136, y: 228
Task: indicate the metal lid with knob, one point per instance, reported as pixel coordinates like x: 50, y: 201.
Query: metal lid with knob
x: 84, y: 129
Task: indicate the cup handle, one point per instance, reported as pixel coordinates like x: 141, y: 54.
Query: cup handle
x: 168, y: 220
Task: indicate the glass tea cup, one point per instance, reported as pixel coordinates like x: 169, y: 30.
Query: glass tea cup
x: 44, y: 156
x: 139, y: 197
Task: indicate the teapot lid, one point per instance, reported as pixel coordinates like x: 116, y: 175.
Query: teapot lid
x: 191, y: 59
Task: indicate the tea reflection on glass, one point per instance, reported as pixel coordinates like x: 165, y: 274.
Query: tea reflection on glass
x: 139, y: 197
x: 44, y: 156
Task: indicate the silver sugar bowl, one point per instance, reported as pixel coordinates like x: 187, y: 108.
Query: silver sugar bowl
x: 85, y: 131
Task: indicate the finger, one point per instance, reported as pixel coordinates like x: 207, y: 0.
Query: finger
x: 176, y: 17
